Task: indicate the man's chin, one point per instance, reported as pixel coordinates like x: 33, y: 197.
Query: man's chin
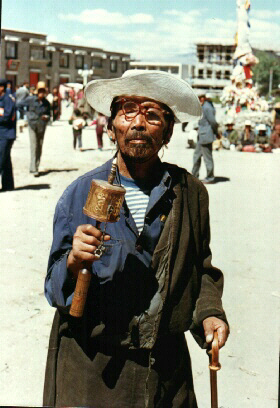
x: 137, y: 155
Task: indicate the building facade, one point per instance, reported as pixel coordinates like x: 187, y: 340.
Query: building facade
x: 28, y: 56
x: 214, y: 65
x: 211, y: 72
x: 183, y: 71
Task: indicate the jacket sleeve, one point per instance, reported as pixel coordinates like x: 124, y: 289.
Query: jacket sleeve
x: 59, y: 287
x: 210, y: 116
x: 24, y: 102
x: 9, y: 111
x: 209, y: 302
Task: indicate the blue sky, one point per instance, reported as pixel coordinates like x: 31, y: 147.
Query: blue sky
x: 158, y: 30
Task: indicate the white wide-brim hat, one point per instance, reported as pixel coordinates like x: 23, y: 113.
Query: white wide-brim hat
x: 160, y: 86
x: 261, y: 126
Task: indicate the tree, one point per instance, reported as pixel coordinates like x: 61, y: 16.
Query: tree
x: 261, y: 71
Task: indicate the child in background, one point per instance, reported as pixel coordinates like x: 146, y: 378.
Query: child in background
x: 100, y: 123
x: 77, y: 123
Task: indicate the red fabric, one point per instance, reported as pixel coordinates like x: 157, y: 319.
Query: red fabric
x: 249, y: 149
x: 247, y: 72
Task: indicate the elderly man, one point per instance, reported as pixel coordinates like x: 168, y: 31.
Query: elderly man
x: 207, y: 131
x: 155, y: 280
x: 38, y: 115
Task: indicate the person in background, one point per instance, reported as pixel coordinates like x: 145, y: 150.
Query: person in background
x: 247, y: 138
x: 77, y: 124
x: 9, y: 88
x: 207, y: 131
x: 276, y: 115
x: 56, y: 105
x: 38, y: 115
x: 7, y: 136
x: 275, y: 139
x: 49, y: 97
x: 100, y: 123
x: 230, y: 136
x: 21, y: 93
x: 262, y: 140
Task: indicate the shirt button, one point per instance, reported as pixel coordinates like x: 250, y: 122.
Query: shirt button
x: 139, y: 248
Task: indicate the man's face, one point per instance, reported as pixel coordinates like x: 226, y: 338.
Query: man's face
x: 141, y: 137
x: 41, y: 93
x: 202, y: 99
x: 230, y: 127
x: 2, y: 89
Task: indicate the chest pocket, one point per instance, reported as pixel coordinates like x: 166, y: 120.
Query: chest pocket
x: 111, y: 261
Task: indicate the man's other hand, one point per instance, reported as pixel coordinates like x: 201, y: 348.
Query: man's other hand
x: 210, y: 325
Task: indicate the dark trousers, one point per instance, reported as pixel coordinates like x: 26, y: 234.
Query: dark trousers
x: 6, y: 168
x: 205, y: 151
x: 99, y: 136
x: 77, y: 134
x: 36, y: 144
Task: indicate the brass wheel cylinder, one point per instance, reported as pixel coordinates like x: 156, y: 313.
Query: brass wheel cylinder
x: 104, y: 201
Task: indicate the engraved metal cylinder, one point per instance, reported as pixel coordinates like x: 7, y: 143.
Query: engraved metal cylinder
x: 104, y: 201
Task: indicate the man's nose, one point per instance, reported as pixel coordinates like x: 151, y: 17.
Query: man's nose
x: 139, y: 122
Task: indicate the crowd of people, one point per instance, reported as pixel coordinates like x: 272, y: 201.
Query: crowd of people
x: 38, y: 107
x: 251, y: 138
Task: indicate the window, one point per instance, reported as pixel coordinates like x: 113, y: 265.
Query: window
x: 227, y: 74
x: 49, y: 57
x: 97, y: 62
x: 209, y: 73
x: 11, y: 50
x: 228, y: 57
x: 218, y: 74
x: 113, y: 66
x: 174, y: 70
x: 64, y: 60
x: 37, y: 53
x: 200, y: 73
x: 125, y: 66
x: 165, y: 69
x: 79, y: 61
x: 200, y: 57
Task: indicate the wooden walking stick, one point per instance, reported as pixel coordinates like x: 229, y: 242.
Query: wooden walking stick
x: 214, y: 366
x: 103, y: 203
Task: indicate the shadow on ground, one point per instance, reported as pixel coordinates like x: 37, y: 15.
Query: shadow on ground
x: 221, y: 179
x: 34, y: 187
x: 44, y: 173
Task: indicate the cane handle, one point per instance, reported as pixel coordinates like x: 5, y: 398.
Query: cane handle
x: 214, y: 353
x: 80, y: 294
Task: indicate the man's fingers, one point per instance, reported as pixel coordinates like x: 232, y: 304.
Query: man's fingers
x: 211, y: 324
x: 90, y: 230
x: 209, y: 331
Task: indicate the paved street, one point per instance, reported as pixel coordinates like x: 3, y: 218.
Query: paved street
x: 244, y: 208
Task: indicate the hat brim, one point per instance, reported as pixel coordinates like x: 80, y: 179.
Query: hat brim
x: 159, y: 86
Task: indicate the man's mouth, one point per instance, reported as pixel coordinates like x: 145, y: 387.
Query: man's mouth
x: 139, y: 140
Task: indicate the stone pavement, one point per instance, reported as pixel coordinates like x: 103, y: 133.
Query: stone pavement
x: 245, y: 221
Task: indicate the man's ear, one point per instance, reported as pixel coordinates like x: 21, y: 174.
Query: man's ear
x: 111, y: 130
x: 169, y: 132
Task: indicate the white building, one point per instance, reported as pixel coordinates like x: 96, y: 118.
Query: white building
x: 183, y: 71
x: 214, y: 66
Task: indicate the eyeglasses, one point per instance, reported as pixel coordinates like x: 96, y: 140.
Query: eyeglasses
x: 154, y: 116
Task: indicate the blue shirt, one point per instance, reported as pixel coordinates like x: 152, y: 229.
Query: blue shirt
x: 7, y: 117
x: 124, y: 277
